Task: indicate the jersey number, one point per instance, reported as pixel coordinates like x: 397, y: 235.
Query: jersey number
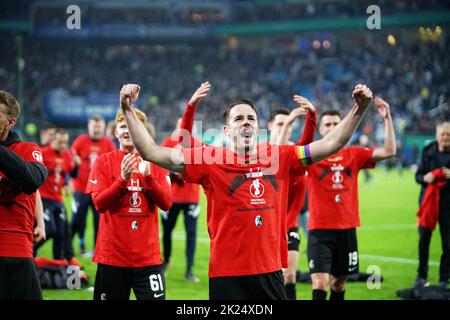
x: 156, y: 282
x: 352, y: 258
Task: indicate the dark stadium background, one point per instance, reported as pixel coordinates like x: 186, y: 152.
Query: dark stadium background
x: 262, y: 50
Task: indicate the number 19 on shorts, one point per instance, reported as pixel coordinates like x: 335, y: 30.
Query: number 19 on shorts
x: 352, y: 261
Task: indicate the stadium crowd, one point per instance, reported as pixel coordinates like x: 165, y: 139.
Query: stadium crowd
x: 412, y: 76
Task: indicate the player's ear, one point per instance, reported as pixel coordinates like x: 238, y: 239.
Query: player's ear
x: 11, y: 123
x: 226, y: 130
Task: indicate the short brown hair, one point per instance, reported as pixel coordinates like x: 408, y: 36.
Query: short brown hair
x: 11, y: 104
x: 329, y: 113
x: 234, y: 103
x: 61, y: 131
x: 277, y: 112
x: 96, y: 118
x: 141, y: 116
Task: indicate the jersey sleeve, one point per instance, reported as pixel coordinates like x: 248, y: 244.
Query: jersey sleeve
x: 33, y: 153
x: 75, y: 146
x: 300, y: 156
x: 195, y: 168
x: 290, y: 157
x: 97, y: 178
x: 157, y: 187
x: 363, y: 157
x: 309, y: 129
x: 70, y: 163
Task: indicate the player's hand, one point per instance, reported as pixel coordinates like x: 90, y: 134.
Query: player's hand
x: 382, y: 107
x: 362, y: 95
x: 305, y: 103
x: 128, y: 165
x: 446, y: 172
x: 429, y: 178
x: 304, y: 106
x: 39, y: 233
x: 144, y: 168
x: 200, y: 93
x: 128, y: 95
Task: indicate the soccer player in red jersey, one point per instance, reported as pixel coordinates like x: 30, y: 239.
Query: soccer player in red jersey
x: 186, y: 196
x: 22, y: 172
x: 333, y: 206
x: 243, y: 183
x: 297, y: 184
x: 127, y: 192
x: 88, y: 147
x: 59, y: 163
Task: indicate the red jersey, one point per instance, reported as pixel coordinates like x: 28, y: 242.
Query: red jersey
x: 297, y: 183
x: 88, y: 150
x: 182, y: 191
x: 128, y: 234
x: 59, y: 164
x: 245, y: 214
x: 17, y: 209
x: 296, y: 199
x: 333, y: 189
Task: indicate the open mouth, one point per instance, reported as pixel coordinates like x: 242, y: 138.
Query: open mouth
x: 246, y: 133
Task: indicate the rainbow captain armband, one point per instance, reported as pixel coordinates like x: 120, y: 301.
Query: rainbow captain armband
x: 304, y: 155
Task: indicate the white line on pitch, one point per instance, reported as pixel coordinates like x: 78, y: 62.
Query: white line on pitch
x: 395, y: 259
x: 181, y: 236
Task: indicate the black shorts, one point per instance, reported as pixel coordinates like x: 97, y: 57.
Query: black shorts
x: 19, y: 279
x: 266, y: 286
x: 293, y: 239
x: 333, y: 251
x: 115, y: 283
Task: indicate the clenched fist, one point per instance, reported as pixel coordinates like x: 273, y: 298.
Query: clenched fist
x: 362, y: 95
x: 128, y: 95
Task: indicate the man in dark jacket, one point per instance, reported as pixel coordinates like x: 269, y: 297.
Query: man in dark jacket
x: 22, y: 172
x: 436, y: 155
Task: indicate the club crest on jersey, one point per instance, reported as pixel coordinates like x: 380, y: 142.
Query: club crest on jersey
x: 134, y: 225
x: 258, y: 221
x: 37, y: 156
x: 135, y: 202
x: 337, y: 177
x: 257, y: 189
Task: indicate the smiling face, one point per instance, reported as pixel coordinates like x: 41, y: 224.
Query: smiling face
x: 123, y: 136
x: 242, y: 128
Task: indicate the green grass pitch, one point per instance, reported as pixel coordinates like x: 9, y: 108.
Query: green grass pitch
x: 387, y: 239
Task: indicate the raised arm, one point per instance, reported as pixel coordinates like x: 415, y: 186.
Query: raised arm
x: 305, y: 108
x: 309, y: 129
x: 187, y: 121
x: 389, y: 148
x: 171, y: 159
x: 341, y: 134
